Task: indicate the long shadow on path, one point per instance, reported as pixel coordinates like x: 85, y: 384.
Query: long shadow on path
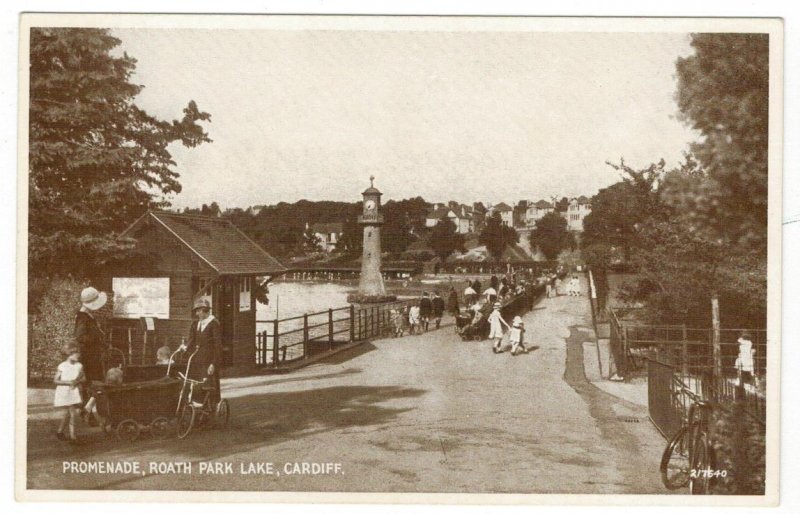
x: 639, y: 475
x: 257, y: 421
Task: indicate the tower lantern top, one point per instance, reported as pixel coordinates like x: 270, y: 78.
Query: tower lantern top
x: 371, y: 190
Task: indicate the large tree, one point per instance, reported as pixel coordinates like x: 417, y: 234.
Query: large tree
x: 619, y: 210
x: 551, y: 235
x: 497, y: 236
x: 96, y: 160
x: 723, y: 92
x: 445, y: 239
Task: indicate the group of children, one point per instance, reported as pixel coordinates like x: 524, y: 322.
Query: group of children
x: 70, y: 381
x: 417, y: 317
x: 516, y: 332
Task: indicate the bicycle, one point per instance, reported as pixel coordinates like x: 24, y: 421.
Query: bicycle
x: 191, y: 413
x: 196, y: 414
x: 688, y: 458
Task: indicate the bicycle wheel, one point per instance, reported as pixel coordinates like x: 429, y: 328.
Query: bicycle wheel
x: 700, y: 482
x: 186, y: 421
x: 675, y: 460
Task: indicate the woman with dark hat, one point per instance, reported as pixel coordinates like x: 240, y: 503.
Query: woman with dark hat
x: 205, y: 336
x: 90, y: 338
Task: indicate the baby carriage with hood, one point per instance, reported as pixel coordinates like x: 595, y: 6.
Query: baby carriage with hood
x: 478, y: 327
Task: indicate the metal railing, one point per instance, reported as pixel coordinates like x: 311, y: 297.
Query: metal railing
x: 674, y: 357
x: 286, y: 340
x: 283, y: 342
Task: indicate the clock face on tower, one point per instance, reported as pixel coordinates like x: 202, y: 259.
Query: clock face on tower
x: 369, y: 205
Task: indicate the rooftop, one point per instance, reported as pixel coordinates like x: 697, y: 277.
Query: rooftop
x: 216, y: 241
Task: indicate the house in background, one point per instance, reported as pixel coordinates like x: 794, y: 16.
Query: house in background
x: 578, y: 209
x: 328, y: 235
x: 180, y: 258
x: 537, y: 211
x: 506, y: 213
x: 460, y: 215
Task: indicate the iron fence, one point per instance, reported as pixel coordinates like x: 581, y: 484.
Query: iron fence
x: 713, y: 365
x: 284, y: 341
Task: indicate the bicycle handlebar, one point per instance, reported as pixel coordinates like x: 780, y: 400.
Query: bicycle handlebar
x: 187, y: 379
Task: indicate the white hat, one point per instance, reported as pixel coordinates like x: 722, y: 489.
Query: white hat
x: 517, y: 321
x: 93, y: 299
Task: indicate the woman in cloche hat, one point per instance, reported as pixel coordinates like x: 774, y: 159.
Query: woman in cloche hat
x: 205, y: 336
x: 90, y: 337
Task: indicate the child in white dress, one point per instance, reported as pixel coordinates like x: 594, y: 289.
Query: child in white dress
x: 69, y: 375
x: 496, y: 323
x: 516, y: 336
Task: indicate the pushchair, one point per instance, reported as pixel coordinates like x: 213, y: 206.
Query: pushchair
x: 128, y: 409
x: 477, y: 329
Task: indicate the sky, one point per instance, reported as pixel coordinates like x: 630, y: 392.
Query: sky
x: 456, y: 115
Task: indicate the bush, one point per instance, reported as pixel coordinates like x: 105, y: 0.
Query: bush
x: 739, y: 445
x: 52, y: 324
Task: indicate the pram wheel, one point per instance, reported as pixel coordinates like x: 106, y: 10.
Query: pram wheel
x: 223, y: 414
x: 186, y: 421
x: 128, y: 430
x: 159, y: 427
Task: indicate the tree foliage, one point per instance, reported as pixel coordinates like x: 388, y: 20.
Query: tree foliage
x: 444, y: 239
x: 497, y: 236
x: 551, y: 235
x: 723, y: 92
x: 96, y: 160
x: 619, y: 210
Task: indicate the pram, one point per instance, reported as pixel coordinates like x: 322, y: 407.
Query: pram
x: 153, y: 406
x: 477, y: 329
x: 128, y: 409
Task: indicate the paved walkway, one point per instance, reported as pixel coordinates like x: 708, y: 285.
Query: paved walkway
x: 427, y: 413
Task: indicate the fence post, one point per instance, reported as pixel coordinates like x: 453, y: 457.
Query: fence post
x: 330, y: 329
x: 372, y: 321
x: 305, y: 336
x: 275, y: 328
x: 717, y: 354
x: 352, y: 323
x: 685, y: 354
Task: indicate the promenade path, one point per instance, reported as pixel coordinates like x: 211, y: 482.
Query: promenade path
x: 426, y: 413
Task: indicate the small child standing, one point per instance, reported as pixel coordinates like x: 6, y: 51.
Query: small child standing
x: 516, y: 336
x: 69, y: 375
x: 496, y: 323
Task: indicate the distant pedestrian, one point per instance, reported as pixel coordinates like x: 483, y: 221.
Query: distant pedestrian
x: 496, y: 323
x: 576, y: 286
x: 425, y: 311
x: 477, y: 286
x: 516, y: 336
x: 438, y: 308
x: 745, y: 365
x: 452, y: 303
x: 413, y: 319
x: 399, y: 320
x: 490, y: 294
x: 470, y: 295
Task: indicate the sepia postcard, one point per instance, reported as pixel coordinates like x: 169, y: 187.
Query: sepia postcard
x: 369, y: 259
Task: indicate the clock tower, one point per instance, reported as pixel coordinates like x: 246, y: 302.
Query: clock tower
x: 371, y: 283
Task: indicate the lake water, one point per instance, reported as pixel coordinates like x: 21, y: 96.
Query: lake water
x: 287, y: 299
